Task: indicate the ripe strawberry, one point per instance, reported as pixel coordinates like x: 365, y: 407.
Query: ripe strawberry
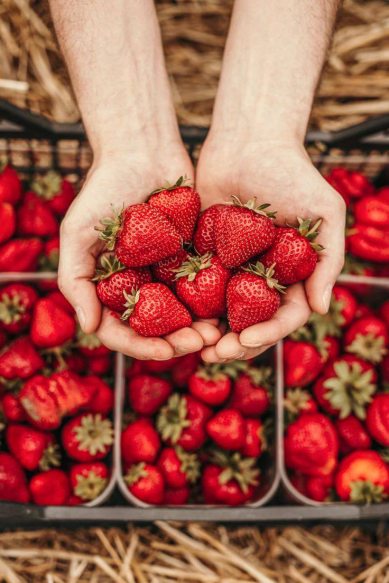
x: 32, y: 448
x: 100, y: 366
x: 51, y: 488
x: 90, y: 346
x: 178, y: 467
x: 165, y: 271
x: 377, y: 418
x: 20, y: 255
x: 16, y: 302
x: 146, y: 483
x: 253, y: 296
x: 176, y: 496
x: 7, y: 221
x: 368, y: 243
x: 147, y: 393
x: 87, y: 437
x: 158, y: 367
x: 350, y: 184
x: 184, y: 367
x: 141, y: 235
x: 20, y: 359
x: 34, y: 218
x: 319, y: 488
x: 368, y: 338
x: 227, y: 429
x: 384, y: 312
x: 352, y: 434
x: 10, y: 184
x: 302, y: 363
x: 311, y: 445
x: 210, y: 384
x: 362, y: 477
x: 140, y: 442
x: 255, y: 439
x: 153, y: 310
x: 59, y: 299
x: 13, y: 486
x: 385, y: 371
x: 12, y: 409
x: 297, y: 401
x: 372, y: 210
x: 102, y: 395
x: 88, y: 480
x: 357, y: 267
x: 51, y: 326
x: 204, y: 237
x: 343, y: 306
x: 182, y: 422
x: 180, y: 204
x: 70, y: 392
x: 201, y: 285
x: 243, y: 231
x: 251, y: 391
x: 50, y: 258
x: 231, y: 479
x: 331, y: 348
x: 57, y: 192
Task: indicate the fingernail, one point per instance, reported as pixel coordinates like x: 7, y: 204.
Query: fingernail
x: 237, y: 356
x: 327, y: 297
x: 81, y: 316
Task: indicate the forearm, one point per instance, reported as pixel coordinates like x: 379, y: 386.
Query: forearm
x: 114, y: 54
x: 272, y: 63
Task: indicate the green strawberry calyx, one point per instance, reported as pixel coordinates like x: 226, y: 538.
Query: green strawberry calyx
x: 181, y: 181
x: 136, y: 473
x: 130, y: 303
x: 295, y: 401
x: 193, y: 265
x: 350, y: 390
x: 215, y: 371
x: 267, y: 273
x: 310, y: 232
x: 11, y: 309
x: 90, y: 486
x: 110, y: 227
x: 108, y: 265
x: 190, y: 464
x: 94, y: 434
x: 260, y: 209
x: 51, y: 457
x: 172, y: 418
x: 365, y: 492
x: 236, y: 467
x: 260, y: 376
x: 87, y: 340
x: 48, y: 185
x: 4, y: 162
x: 369, y: 347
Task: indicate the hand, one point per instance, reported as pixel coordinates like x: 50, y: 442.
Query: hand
x: 282, y: 174
x: 120, y: 180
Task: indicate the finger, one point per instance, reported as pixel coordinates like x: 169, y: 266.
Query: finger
x: 229, y: 348
x: 185, y: 340
x: 209, y: 333
x: 293, y: 313
x: 119, y: 337
x: 208, y: 354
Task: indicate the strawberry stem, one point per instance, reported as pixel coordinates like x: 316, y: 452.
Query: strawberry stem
x: 253, y: 206
x: 191, y: 267
x: 181, y: 181
x: 267, y: 274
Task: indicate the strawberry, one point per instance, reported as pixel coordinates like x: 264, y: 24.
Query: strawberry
x: 141, y: 235
x: 311, y: 445
x: 20, y: 359
x: 204, y: 237
x: 357, y: 267
x: 350, y: 184
x: 368, y: 338
x: 50, y: 258
x: 88, y: 480
x: 16, y: 302
x: 10, y: 184
x: 178, y: 467
x: 147, y: 393
x: 180, y: 204
x: 140, y: 442
x: 251, y: 392
x: 227, y: 429
x: 7, y: 221
x: 100, y: 366
x: 384, y: 312
x: 293, y: 253
x: 369, y: 243
x: 56, y: 192
x: 176, y: 496
x: 385, y: 371
x: 20, y: 255
x: 319, y: 488
x: 253, y: 296
x: 362, y: 477
x: 377, y: 418
x: 184, y: 367
x: 182, y: 422
x: 231, y: 479
x: 51, y: 326
x: 298, y: 401
x: 90, y: 346
x: 371, y: 210
x: 102, y: 395
x: 201, y: 285
x: 12, y: 409
x: 157, y: 367
x: 255, y: 439
x: 32, y: 448
x: 51, y: 488
x: 87, y: 437
x: 59, y: 299
x: 70, y: 392
x: 153, y: 310
x: 35, y: 219
x: 302, y: 363
x: 210, y: 384
x: 352, y: 434
x: 243, y: 231
x: 165, y: 271
x: 146, y: 483
x: 13, y: 486
x: 343, y: 306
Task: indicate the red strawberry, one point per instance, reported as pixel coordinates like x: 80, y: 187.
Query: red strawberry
x: 331, y: 348
x: 251, y: 392
x: 35, y: 218
x: 16, y: 302
x: 51, y: 326
x: 59, y: 299
x: 255, y: 440
x: 88, y: 480
x: 368, y: 338
x: 369, y: 243
x: 373, y: 211
x: 87, y: 437
x: 384, y: 312
x: 20, y: 359
x: 20, y: 255
x: 311, y: 445
x: 302, y: 363
x: 210, y: 384
x: 51, y: 488
x: 10, y: 184
x: 153, y: 310
x: 377, y: 419
x: 319, y: 488
x: 204, y: 237
x: 352, y: 434
x: 146, y: 483
x: 140, y: 442
x: 178, y: 467
x: 343, y: 306
x: 103, y: 399
x: 57, y: 192
x: 180, y: 203
x: 100, y: 366
x: 32, y: 448
x: 50, y: 259
x: 184, y: 367
x: 141, y: 235
x: 253, y: 296
x: 176, y: 496
x: 13, y: 486
x: 385, y: 370
x: 147, y: 393
x: 12, y: 409
x: 362, y: 477
x: 182, y: 422
x: 70, y: 392
x: 357, y: 267
x: 227, y: 429
x: 350, y: 184
x: 7, y: 221
x: 157, y: 367
x: 165, y: 271
x: 298, y: 401
x: 201, y: 285
x: 90, y: 346
x: 231, y: 480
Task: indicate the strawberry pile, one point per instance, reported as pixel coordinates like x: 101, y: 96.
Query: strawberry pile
x: 165, y: 263
x: 196, y: 433
x: 55, y: 406
x: 336, y: 371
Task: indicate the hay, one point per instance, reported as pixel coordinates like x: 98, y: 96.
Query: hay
x: 355, y: 82
x: 170, y: 552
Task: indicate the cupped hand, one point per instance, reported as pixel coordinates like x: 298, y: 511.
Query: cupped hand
x: 113, y: 183
x: 279, y: 173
